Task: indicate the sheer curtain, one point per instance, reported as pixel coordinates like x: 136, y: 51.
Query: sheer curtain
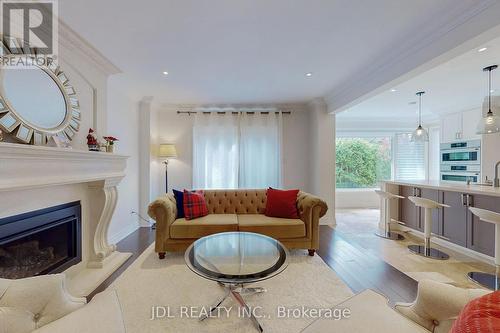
x: 215, y: 151
x: 260, y: 150
x: 237, y: 151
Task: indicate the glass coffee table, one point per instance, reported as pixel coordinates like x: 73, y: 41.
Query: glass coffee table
x: 235, y: 259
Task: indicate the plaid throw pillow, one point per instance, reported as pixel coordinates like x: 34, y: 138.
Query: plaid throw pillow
x: 194, y: 205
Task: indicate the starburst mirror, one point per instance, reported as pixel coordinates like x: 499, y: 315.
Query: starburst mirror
x: 36, y: 102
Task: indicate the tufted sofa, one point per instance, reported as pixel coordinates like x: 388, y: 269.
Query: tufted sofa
x: 237, y: 210
x: 42, y: 304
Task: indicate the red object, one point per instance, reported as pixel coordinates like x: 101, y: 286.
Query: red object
x: 194, y: 204
x: 282, y: 203
x: 480, y: 315
x: 110, y: 138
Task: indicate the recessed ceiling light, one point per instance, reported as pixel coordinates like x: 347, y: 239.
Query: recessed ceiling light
x: 309, y: 74
x: 165, y: 73
x: 393, y: 90
x: 482, y: 49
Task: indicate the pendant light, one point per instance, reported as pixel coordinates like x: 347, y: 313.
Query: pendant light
x: 491, y: 123
x: 420, y: 134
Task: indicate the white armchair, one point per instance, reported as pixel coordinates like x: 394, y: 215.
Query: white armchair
x: 27, y: 304
x: 435, y: 309
x: 42, y: 304
x: 438, y: 304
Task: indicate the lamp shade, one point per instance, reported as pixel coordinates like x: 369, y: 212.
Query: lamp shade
x: 167, y: 150
x: 419, y: 135
x: 489, y: 124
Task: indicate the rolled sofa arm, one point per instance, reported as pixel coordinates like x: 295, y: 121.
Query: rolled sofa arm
x: 306, y: 202
x: 164, y: 211
x: 311, y: 208
x: 437, y: 304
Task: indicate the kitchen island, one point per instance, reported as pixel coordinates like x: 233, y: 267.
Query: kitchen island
x: 455, y: 227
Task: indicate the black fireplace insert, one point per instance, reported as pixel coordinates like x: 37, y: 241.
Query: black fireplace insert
x: 40, y: 242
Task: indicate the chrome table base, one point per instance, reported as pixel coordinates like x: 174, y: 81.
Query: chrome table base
x: 490, y: 281
x: 428, y: 252
x: 236, y: 291
x: 389, y: 235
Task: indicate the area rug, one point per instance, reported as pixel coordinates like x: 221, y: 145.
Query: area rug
x: 176, y: 296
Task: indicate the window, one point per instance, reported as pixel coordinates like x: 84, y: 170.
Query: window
x: 409, y: 158
x: 237, y: 151
x: 362, y: 162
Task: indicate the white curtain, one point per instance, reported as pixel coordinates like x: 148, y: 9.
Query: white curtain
x: 237, y: 151
x: 215, y: 151
x: 260, y: 150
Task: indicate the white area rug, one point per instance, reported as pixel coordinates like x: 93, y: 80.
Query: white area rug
x: 307, y: 282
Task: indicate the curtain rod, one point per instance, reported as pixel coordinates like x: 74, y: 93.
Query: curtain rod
x: 232, y: 112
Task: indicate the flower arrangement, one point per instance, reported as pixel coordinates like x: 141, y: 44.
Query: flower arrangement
x: 110, y: 142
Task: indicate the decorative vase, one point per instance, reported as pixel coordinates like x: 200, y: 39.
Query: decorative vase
x: 110, y: 148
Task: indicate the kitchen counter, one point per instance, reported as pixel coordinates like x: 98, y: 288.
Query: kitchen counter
x: 447, y: 186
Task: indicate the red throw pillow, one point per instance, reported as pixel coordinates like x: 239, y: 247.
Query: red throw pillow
x: 480, y: 315
x: 194, y: 204
x: 282, y: 203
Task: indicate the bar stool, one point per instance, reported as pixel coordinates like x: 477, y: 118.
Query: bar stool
x: 491, y: 281
x: 386, y: 232
x: 426, y: 250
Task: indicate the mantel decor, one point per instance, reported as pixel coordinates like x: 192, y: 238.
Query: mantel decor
x: 36, y: 102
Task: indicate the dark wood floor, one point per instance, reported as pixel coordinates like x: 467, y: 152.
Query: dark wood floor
x: 361, y: 270
x: 358, y: 268
x: 136, y: 243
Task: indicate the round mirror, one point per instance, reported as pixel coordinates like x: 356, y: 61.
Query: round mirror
x: 35, y: 96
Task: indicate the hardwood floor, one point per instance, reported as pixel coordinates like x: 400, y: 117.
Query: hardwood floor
x: 361, y: 270
x: 358, y: 268
x: 136, y: 243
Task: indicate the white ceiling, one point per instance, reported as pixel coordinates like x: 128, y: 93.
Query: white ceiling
x: 248, y: 51
x: 457, y: 85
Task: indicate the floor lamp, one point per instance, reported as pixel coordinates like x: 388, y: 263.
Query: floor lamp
x: 166, y: 152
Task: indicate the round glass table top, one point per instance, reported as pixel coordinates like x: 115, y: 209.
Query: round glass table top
x: 237, y: 257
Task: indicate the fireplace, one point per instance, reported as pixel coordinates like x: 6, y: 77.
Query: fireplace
x: 40, y: 242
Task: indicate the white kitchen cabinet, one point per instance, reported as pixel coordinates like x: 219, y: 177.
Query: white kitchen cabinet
x: 460, y: 126
x: 451, y: 127
x: 470, y: 119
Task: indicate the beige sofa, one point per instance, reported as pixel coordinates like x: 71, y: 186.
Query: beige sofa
x: 434, y: 310
x: 237, y: 210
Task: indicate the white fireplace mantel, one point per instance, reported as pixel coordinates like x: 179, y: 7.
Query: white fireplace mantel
x: 25, y: 167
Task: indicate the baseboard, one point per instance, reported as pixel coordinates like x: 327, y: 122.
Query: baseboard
x: 113, y: 239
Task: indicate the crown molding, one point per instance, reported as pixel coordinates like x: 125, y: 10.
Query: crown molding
x: 438, y: 36
x: 73, y: 42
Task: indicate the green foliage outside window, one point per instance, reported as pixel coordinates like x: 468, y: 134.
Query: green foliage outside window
x: 362, y: 162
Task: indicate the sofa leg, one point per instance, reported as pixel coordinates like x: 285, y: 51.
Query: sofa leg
x: 161, y: 255
x: 311, y: 252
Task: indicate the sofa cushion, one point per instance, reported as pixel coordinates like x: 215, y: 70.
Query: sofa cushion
x: 282, y: 203
x: 179, y: 202
x: 51, y: 302
x: 15, y: 320
x: 194, y: 205
x: 479, y: 315
x: 272, y: 226
x: 102, y: 315
x: 203, y: 226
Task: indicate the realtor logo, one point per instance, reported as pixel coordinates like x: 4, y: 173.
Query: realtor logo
x: 32, y: 23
